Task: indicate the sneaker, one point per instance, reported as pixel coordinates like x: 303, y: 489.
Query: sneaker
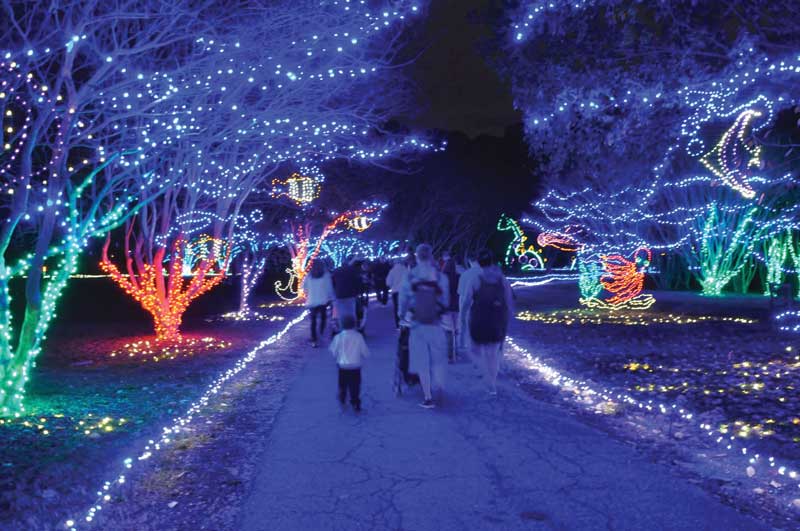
x: 427, y: 404
x: 314, y: 344
x: 357, y: 409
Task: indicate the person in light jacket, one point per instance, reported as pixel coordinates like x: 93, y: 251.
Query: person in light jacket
x: 349, y: 349
x: 318, y: 288
x: 395, y: 279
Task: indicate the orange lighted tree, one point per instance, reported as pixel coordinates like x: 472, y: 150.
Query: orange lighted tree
x: 165, y: 294
x: 155, y: 242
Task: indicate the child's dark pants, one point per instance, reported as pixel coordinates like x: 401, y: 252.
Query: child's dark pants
x: 350, y: 381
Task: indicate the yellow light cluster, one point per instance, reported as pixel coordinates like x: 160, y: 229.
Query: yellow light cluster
x: 280, y: 304
x: 98, y: 425
x: 635, y: 366
x: 153, y: 350
x: 629, y: 318
x: 39, y: 424
x: 91, y: 426
x: 743, y: 429
x: 247, y: 316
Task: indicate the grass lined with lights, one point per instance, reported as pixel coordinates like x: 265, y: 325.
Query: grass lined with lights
x: 167, y: 434
x: 245, y: 316
x: 610, y: 401
x: 583, y: 316
x: 762, y: 392
x: 154, y: 350
x: 90, y: 425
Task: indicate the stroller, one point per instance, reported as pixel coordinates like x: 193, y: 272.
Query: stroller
x: 403, y: 378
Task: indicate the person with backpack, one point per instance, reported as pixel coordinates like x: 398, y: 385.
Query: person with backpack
x: 423, y: 300
x: 489, y: 301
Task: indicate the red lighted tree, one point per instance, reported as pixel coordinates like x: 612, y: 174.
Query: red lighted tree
x: 304, y: 248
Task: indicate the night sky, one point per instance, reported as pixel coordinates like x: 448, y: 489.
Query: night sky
x: 461, y: 92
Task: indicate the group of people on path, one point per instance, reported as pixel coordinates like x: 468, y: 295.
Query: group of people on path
x: 443, y: 310
x: 449, y: 312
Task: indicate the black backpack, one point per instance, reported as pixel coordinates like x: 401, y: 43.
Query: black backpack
x: 488, y: 316
x: 427, y: 309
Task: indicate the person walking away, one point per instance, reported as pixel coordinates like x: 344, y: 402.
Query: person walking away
x: 395, y: 280
x: 490, y: 302
x: 349, y: 349
x: 318, y: 288
x: 347, y: 288
x: 423, y: 299
x: 366, y: 281
x: 450, y: 319
x: 380, y: 272
x: 466, y: 279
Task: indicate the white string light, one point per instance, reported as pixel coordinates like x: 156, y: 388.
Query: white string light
x: 169, y: 433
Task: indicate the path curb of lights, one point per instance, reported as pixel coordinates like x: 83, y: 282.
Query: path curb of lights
x: 168, y: 433
x: 555, y: 378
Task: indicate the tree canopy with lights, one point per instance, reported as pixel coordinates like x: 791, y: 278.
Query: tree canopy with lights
x: 163, y: 127
x: 675, y: 137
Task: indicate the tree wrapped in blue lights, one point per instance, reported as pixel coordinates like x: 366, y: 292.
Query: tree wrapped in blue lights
x: 669, y: 126
x: 298, y: 87
x: 72, y: 167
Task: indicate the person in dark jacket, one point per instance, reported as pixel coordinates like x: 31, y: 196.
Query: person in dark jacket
x: 380, y: 270
x: 347, y: 286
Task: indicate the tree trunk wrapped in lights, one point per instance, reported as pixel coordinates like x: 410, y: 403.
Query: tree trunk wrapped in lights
x: 71, y: 164
x: 253, y: 248
x: 166, y: 294
x: 304, y: 252
x: 185, y: 228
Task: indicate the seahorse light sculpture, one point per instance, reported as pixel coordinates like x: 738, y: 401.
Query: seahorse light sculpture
x: 526, y: 256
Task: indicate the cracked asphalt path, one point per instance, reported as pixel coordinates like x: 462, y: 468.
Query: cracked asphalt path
x: 475, y: 463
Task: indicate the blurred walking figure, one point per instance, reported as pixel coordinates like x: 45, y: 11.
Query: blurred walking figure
x: 423, y: 300
x: 466, y: 280
x: 347, y: 286
x: 380, y: 273
x: 450, y: 320
x: 318, y: 288
x: 490, y: 310
x: 395, y: 280
x: 349, y: 349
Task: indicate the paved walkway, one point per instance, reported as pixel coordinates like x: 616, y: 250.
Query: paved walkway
x: 476, y: 463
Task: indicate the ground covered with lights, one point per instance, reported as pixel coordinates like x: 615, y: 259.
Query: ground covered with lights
x: 98, y: 395
x: 709, y: 384
x: 300, y: 462
x: 201, y: 438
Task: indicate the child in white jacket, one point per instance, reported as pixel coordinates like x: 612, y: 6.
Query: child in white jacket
x: 349, y: 349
